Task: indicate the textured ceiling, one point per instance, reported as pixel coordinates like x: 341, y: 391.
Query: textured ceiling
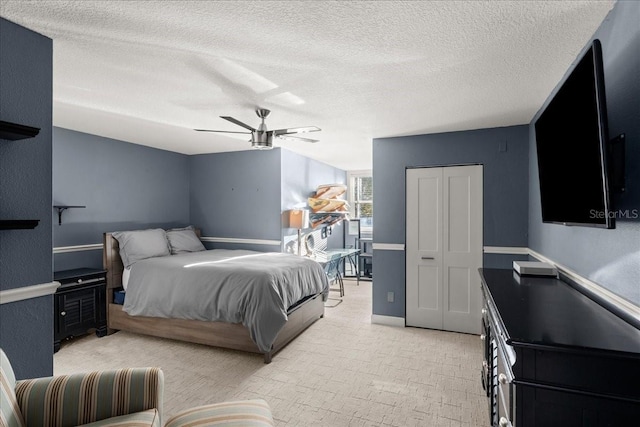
x: 149, y: 72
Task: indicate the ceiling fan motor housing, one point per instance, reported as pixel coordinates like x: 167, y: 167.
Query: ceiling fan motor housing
x: 261, y: 140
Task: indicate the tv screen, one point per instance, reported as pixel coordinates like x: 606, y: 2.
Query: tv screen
x: 571, y: 137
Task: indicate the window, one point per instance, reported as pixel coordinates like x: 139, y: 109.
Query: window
x: 361, y: 198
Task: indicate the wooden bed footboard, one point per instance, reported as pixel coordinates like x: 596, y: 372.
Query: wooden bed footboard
x: 219, y: 334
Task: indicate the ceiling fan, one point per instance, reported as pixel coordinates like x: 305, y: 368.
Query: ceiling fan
x: 261, y: 138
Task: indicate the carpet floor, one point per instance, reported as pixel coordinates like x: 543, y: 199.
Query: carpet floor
x: 342, y: 371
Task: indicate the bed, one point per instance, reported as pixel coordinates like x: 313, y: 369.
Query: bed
x: 236, y: 332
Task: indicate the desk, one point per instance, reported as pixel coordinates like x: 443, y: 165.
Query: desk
x: 351, y: 254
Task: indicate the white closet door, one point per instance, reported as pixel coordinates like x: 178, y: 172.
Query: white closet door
x: 462, y: 248
x: 424, y: 248
x: 444, y: 248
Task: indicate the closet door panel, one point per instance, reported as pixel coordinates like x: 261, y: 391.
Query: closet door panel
x: 424, y: 248
x: 462, y: 248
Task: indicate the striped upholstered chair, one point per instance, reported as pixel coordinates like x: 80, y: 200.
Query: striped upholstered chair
x: 243, y: 413
x: 123, y: 397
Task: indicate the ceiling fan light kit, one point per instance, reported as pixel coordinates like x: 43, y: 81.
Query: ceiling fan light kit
x: 261, y: 138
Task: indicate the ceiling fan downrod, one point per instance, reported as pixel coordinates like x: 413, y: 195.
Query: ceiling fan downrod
x: 263, y: 113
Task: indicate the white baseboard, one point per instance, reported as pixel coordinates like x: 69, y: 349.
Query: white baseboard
x: 387, y: 320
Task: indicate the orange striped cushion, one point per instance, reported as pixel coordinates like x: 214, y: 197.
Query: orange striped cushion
x: 248, y: 413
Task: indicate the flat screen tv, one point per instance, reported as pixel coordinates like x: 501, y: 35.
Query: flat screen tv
x: 571, y: 140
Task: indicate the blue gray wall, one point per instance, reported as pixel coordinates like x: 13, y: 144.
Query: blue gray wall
x: 242, y: 194
x: 504, y: 154
x: 611, y: 258
x: 123, y: 186
x: 234, y: 195
x: 26, y: 327
x: 300, y: 178
x: 237, y: 195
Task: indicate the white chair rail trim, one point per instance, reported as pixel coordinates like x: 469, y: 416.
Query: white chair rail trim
x: 627, y: 306
x: 98, y: 246
x: 388, y: 246
x: 239, y: 240
x: 77, y: 248
x: 28, y: 292
x: 486, y: 249
x: 511, y: 250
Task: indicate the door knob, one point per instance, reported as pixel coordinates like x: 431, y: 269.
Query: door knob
x: 64, y: 313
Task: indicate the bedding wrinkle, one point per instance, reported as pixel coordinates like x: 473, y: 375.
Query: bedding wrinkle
x: 234, y: 286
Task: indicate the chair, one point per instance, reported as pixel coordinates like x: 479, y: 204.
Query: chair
x: 332, y: 270
x: 122, y: 397
x: 116, y: 397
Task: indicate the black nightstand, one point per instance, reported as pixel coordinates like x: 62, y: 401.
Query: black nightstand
x: 79, y: 304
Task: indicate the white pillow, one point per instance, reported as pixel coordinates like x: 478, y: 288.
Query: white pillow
x: 182, y: 240
x: 126, y: 273
x: 142, y: 244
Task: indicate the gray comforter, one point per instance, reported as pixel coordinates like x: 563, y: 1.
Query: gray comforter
x: 234, y: 286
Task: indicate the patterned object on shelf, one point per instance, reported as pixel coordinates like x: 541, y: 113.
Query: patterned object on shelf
x: 328, y: 205
x: 327, y: 208
x: 330, y: 191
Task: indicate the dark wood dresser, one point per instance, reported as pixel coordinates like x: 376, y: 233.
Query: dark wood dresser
x: 554, y: 357
x: 79, y: 304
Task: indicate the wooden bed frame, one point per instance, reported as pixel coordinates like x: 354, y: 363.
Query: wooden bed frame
x: 219, y: 334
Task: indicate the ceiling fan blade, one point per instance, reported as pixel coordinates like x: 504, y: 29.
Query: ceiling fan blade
x: 296, y: 138
x: 238, y: 122
x: 220, y: 131
x: 288, y: 131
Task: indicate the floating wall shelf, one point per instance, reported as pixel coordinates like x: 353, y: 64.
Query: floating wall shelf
x: 18, y: 224
x: 326, y: 219
x: 14, y: 131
